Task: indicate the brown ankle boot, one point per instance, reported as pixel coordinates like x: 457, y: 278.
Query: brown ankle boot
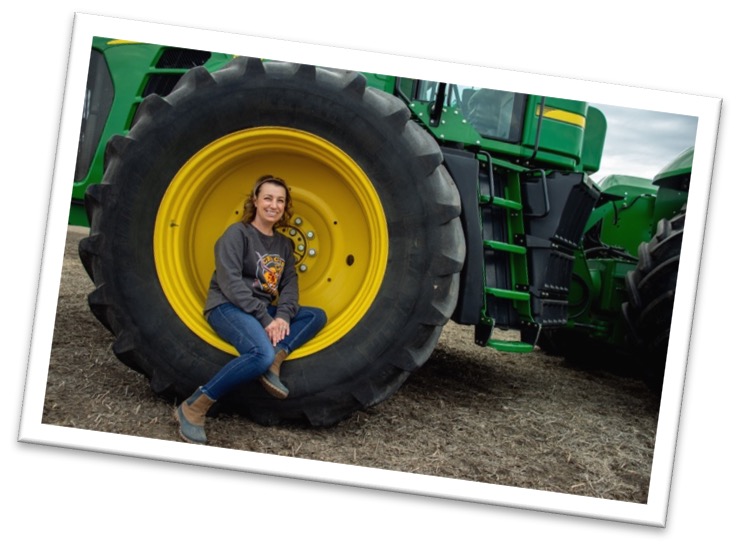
x: 271, y: 380
x: 191, y: 415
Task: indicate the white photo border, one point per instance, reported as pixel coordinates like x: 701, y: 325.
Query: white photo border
x: 706, y: 109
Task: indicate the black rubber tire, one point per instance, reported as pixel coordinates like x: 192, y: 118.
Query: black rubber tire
x: 421, y: 204
x: 651, y: 291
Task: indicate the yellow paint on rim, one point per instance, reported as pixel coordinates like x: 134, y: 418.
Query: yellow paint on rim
x: 339, y: 228
x: 562, y: 116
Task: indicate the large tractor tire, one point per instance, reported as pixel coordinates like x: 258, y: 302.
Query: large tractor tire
x: 379, y: 243
x: 651, y: 292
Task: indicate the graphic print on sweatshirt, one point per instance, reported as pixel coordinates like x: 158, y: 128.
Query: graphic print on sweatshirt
x: 268, y: 273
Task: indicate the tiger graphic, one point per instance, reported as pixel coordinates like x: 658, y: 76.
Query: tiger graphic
x: 268, y: 273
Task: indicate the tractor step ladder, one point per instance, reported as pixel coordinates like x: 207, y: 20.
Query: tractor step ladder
x: 503, y: 293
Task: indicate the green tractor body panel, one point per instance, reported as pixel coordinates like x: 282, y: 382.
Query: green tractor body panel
x: 678, y: 168
x: 621, y: 221
x: 673, y: 182
x: 625, y: 211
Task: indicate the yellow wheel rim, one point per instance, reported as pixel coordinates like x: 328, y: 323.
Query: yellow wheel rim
x: 338, y: 228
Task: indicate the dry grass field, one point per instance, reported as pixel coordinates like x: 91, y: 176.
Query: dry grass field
x: 520, y: 420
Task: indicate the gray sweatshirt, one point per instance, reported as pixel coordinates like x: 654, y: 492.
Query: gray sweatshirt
x: 252, y: 271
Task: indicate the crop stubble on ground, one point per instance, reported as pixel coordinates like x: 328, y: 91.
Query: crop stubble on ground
x: 521, y: 420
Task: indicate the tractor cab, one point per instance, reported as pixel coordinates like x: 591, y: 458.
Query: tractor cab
x: 530, y: 130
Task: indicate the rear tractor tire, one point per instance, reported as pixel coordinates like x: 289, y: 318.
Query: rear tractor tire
x: 378, y: 240
x: 651, y: 291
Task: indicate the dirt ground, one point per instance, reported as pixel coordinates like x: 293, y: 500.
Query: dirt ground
x: 521, y: 420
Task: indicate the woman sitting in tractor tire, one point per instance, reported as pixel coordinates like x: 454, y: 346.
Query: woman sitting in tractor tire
x: 252, y: 303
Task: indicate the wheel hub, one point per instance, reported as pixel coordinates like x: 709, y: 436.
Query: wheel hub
x: 306, y: 243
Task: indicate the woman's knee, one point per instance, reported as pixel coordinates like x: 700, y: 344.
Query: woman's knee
x: 256, y: 362
x: 319, y: 317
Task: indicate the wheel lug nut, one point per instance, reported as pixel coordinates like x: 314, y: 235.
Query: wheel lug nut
x: 302, y: 268
x: 312, y: 252
x: 310, y: 235
x: 298, y: 221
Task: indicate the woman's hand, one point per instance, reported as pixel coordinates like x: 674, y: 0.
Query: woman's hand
x: 277, y: 330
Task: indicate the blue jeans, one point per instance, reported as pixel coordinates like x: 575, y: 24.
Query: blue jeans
x: 248, y: 336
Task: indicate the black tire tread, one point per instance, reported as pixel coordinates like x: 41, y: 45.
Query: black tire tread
x: 651, y: 292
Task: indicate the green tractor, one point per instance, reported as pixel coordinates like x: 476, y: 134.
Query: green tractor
x: 628, y: 263
x: 416, y: 203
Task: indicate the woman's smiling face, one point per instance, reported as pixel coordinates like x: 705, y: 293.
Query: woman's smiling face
x: 270, y: 204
